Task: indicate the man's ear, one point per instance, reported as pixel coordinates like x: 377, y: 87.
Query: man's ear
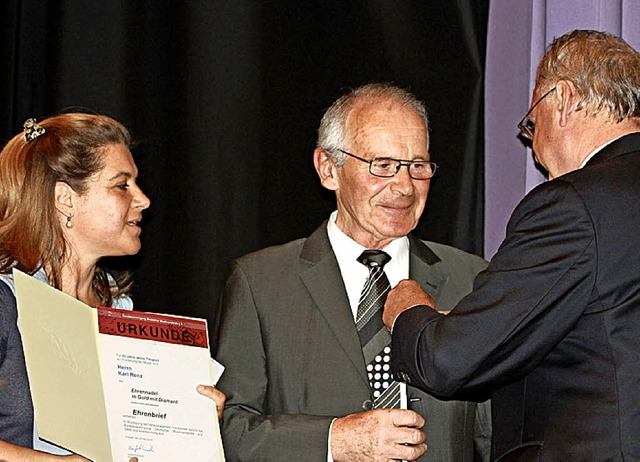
x: 326, y: 168
x: 64, y: 197
x: 568, y: 100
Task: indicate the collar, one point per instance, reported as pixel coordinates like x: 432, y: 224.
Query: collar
x: 618, y: 146
x: 7, y: 278
x: 123, y: 302
x: 354, y: 274
x: 597, y: 150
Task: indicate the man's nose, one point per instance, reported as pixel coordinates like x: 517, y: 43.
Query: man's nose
x: 402, y: 181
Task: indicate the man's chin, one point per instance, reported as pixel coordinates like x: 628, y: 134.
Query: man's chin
x: 396, y: 231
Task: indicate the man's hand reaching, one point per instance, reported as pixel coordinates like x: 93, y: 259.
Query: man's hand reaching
x: 406, y: 294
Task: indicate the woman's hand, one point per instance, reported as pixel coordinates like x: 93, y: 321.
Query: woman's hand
x: 216, y: 395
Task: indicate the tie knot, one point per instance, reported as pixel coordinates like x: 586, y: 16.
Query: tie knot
x: 373, y: 258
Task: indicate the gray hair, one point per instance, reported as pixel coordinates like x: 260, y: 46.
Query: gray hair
x: 604, y: 68
x: 332, y: 134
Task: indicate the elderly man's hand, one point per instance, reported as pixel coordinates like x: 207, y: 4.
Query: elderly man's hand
x: 406, y: 294
x: 378, y: 435
x: 215, y: 395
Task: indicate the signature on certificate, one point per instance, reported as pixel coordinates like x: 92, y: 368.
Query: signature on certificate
x: 138, y: 448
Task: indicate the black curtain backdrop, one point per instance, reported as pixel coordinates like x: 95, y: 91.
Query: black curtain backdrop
x: 224, y: 99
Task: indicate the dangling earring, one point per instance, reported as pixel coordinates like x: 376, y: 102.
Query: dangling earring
x: 69, y: 224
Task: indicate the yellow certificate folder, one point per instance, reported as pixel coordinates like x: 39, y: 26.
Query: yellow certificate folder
x: 113, y: 395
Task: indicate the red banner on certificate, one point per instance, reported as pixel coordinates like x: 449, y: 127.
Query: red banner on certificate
x: 150, y: 326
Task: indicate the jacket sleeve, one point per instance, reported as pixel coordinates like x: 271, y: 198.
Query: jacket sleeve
x: 251, y: 429
x: 16, y: 409
x: 532, y: 294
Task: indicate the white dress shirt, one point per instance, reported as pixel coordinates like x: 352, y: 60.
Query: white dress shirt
x: 354, y: 274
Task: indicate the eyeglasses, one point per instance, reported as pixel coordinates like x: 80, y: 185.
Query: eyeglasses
x: 386, y: 167
x: 526, y: 125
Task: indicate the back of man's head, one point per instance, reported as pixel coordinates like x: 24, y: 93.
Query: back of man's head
x: 604, y: 69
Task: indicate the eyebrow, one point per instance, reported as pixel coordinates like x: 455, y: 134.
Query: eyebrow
x: 117, y: 176
x: 415, y: 159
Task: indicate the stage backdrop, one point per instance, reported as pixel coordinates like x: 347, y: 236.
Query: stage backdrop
x: 224, y: 99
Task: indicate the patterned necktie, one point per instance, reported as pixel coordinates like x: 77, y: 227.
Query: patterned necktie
x: 374, y: 338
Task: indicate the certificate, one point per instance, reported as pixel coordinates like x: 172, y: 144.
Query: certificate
x: 112, y: 384
x: 151, y: 365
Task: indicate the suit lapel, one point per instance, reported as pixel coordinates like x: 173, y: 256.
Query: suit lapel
x: 424, y: 269
x: 324, y: 282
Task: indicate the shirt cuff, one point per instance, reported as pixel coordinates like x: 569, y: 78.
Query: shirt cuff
x: 329, y: 455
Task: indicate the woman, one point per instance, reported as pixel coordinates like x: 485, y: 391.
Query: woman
x: 68, y: 197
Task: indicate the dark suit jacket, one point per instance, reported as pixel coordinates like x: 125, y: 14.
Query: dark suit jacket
x: 16, y: 408
x: 294, y: 362
x: 552, y: 328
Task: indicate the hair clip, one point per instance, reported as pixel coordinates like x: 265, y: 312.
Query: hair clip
x: 32, y: 130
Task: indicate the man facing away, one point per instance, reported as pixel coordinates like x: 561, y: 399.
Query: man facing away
x: 302, y: 342
x: 552, y: 328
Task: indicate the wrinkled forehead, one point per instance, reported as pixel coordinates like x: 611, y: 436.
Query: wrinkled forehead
x: 385, y: 121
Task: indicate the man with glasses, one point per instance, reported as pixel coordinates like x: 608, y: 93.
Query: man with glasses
x: 552, y: 329
x: 301, y: 331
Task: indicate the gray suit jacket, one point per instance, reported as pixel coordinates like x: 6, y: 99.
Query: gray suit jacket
x: 294, y: 362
